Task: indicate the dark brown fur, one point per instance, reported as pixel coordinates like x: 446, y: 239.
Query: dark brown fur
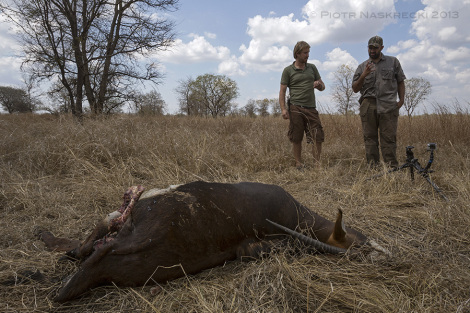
x: 195, y: 227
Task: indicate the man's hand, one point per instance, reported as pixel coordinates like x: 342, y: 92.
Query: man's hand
x: 285, y: 114
x: 319, y: 85
x: 370, y: 67
x: 400, y: 103
x: 357, y: 85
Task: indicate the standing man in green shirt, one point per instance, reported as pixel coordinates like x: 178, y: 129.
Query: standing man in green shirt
x: 380, y: 79
x: 302, y: 79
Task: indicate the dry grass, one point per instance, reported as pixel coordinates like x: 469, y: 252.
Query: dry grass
x: 65, y: 176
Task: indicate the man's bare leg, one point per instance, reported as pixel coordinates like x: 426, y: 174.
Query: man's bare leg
x: 297, y: 150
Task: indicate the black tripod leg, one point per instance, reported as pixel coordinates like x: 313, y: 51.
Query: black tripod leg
x: 439, y: 191
x: 396, y: 169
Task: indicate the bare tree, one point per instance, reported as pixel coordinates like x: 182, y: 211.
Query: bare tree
x: 262, y: 107
x: 185, y: 97
x: 343, y: 93
x: 250, y: 108
x: 32, y: 97
x: 92, y: 47
x: 275, y: 107
x: 416, y: 91
x: 60, y: 100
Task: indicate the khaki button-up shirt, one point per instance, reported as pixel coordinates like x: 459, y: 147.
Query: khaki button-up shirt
x: 382, y: 83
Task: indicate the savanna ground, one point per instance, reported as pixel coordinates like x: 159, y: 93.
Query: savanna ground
x: 64, y: 176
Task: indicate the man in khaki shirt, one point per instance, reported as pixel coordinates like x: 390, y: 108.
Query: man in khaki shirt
x: 380, y: 79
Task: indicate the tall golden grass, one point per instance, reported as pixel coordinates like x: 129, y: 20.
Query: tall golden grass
x: 64, y: 176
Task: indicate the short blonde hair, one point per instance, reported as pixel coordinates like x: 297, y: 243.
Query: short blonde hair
x: 299, y: 46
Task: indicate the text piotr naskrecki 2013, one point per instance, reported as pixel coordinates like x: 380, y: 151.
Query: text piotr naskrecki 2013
x: 387, y: 15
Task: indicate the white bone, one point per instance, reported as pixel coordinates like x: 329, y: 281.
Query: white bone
x: 156, y: 192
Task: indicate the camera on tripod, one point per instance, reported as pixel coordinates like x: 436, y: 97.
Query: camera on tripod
x: 413, y: 165
x: 431, y: 147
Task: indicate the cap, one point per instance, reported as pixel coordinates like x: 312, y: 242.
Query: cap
x: 376, y: 41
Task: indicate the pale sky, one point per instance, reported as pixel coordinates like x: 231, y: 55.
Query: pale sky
x: 252, y: 41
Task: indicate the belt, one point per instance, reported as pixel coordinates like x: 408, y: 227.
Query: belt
x: 303, y: 106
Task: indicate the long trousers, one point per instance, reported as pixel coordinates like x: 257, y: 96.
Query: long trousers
x: 379, y: 130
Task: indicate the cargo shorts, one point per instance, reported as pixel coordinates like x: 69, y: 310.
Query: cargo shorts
x: 304, y: 120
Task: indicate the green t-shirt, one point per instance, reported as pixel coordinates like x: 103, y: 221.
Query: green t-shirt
x: 300, y: 84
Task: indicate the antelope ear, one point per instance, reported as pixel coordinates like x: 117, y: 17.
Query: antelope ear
x: 339, y: 232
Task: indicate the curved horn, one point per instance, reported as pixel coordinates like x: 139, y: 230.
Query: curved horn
x: 316, y: 244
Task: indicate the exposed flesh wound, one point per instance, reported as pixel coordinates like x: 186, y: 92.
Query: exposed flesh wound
x: 131, y: 196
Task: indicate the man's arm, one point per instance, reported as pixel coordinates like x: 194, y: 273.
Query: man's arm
x: 319, y: 84
x: 357, y: 85
x: 401, y: 93
x: 282, y: 101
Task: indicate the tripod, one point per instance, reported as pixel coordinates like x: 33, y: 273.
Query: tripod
x: 413, y: 165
